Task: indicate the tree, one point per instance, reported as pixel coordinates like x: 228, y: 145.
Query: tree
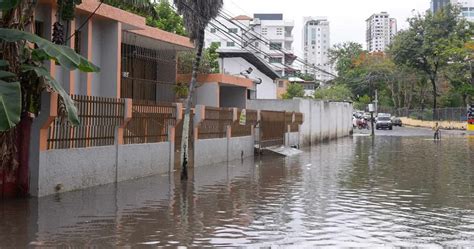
x: 209, y: 62
x: 167, y: 19
x: 196, y: 16
x: 23, y: 76
x: 344, y: 56
x: 294, y: 90
x: 334, y: 93
x: 431, y: 42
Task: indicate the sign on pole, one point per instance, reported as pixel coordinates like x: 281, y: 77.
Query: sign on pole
x: 243, y: 117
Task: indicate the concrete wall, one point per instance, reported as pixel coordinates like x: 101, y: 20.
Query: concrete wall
x: 322, y: 120
x: 212, y: 151
x: 136, y: 161
x: 207, y: 94
x: 233, y: 97
x: 76, y: 169
x: 109, y: 69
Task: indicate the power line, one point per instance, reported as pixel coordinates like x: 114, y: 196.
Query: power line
x: 236, y: 40
x: 267, y: 42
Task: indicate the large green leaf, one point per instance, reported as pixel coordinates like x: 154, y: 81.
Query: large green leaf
x: 68, y: 102
x: 10, y: 104
x: 3, y: 63
x: 8, y: 4
x: 6, y: 74
x: 62, y: 54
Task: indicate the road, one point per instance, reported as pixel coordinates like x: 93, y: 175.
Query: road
x: 409, y: 132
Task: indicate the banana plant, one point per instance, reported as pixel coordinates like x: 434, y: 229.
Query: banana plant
x: 10, y: 90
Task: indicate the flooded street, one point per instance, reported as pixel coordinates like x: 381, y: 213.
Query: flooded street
x: 391, y: 191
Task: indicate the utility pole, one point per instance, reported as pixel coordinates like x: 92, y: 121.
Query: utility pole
x: 371, y: 110
x: 376, y: 101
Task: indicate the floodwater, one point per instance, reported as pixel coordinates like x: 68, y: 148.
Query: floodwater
x: 354, y: 192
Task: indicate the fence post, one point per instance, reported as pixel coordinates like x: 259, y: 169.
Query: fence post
x: 50, y: 107
x: 126, y: 119
x: 171, y: 140
x: 39, y: 139
x: 199, y: 116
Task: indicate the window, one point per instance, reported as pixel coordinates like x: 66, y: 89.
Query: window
x: 275, y: 45
x: 279, y: 31
x: 276, y: 60
x: 230, y: 44
x: 256, y: 44
x: 233, y: 30
x: 39, y: 28
x: 281, y: 83
x: 264, y: 31
x: 213, y: 30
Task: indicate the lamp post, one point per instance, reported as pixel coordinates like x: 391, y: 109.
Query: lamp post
x: 371, y: 110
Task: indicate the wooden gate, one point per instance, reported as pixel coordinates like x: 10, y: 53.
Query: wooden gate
x: 272, y: 128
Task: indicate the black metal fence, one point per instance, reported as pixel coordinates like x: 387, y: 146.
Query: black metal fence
x: 441, y: 114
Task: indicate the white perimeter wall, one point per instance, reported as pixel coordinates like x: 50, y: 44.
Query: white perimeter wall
x: 322, y: 120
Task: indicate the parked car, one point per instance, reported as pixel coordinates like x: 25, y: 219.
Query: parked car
x: 397, y: 121
x: 384, y: 123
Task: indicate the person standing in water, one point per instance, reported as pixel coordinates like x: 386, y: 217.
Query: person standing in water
x: 436, y: 129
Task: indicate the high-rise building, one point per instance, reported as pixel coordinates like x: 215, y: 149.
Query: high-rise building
x: 267, y: 35
x: 467, y: 7
x: 380, y: 31
x: 438, y: 4
x: 316, y: 45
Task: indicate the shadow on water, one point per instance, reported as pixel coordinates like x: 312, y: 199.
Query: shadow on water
x: 399, y: 191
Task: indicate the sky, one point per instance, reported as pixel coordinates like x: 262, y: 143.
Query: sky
x: 346, y: 17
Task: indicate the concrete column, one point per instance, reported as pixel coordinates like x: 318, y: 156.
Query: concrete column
x: 126, y: 119
x: 171, y: 140
x: 39, y: 138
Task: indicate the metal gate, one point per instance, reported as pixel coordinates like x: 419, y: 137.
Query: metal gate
x: 271, y: 129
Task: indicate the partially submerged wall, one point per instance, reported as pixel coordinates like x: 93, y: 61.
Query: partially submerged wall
x: 322, y: 120
x: 212, y: 151
x: 73, y: 169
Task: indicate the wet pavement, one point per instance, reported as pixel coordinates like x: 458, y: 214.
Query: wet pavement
x: 393, y: 190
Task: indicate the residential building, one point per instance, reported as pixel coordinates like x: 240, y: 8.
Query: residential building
x: 467, y: 7
x: 268, y: 36
x: 136, y: 61
x: 249, y: 65
x: 316, y: 45
x: 380, y: 31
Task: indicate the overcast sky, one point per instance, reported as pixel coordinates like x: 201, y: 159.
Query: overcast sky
x: 346, y: 17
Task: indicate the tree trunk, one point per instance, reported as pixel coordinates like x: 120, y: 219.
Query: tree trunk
x: 435, y: 96
x: 188, y: 103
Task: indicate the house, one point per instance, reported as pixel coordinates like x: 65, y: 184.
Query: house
x: 246, y: 64
x: 136, y: 61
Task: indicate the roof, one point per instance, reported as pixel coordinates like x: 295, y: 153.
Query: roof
x: 243, y: 17
x: 131, y: 22
x: 251, y: 58
x: 218, y: 78
x: 295, y: 79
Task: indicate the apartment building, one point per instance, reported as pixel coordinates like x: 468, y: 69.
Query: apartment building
x: 316, y: 45
x: 380, y: 31
x: 467, y: 7
x: 268, y: 36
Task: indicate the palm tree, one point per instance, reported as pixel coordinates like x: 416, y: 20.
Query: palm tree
x: 23, y: 76
x: 196, y: 16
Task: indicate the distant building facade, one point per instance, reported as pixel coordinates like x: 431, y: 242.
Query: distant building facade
x: 467, y: 7
x: 380, y: 31
x: 316, y: 45
x: 267, y: 35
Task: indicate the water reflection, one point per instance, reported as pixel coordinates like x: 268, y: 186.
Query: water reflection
x: 397, y: 191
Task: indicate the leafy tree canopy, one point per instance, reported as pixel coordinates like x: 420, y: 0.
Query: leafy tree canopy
x: 294, y: 90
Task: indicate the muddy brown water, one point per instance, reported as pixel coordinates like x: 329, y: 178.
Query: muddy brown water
x: 390, y: 191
